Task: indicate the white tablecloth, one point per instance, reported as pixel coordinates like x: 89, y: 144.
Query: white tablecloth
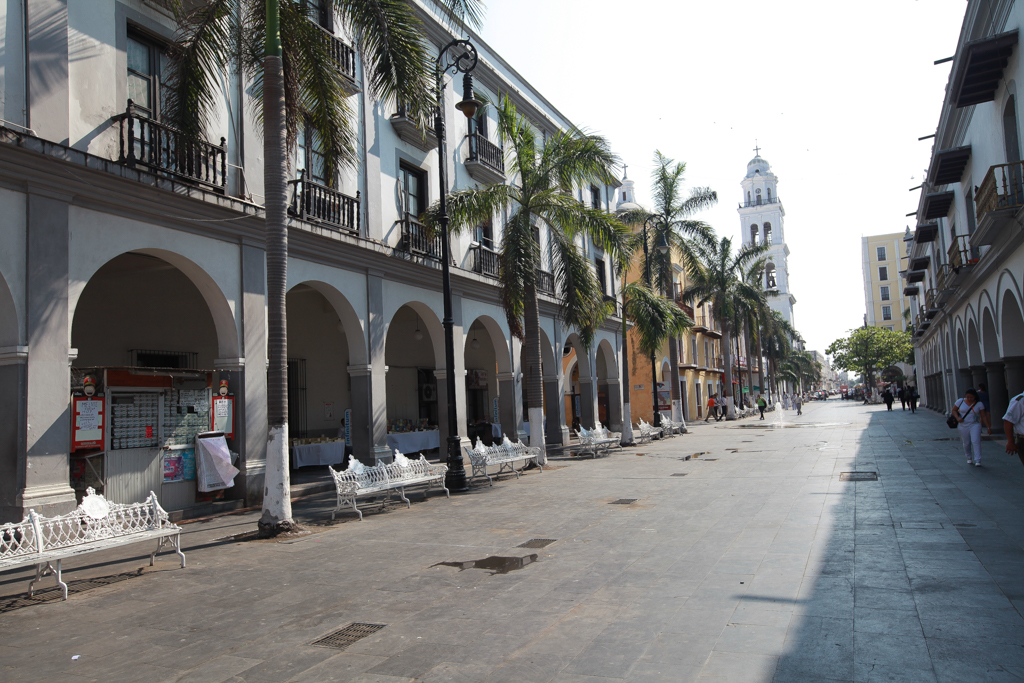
x: 318, y: 454
x: 412, y: 442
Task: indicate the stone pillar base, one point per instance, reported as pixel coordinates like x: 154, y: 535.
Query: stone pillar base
x: 50, y: 500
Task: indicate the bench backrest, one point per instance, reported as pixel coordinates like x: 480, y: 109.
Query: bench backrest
x: 95, y: 519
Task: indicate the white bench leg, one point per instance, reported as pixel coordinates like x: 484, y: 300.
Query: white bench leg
x: 401, y: 494
x: 63, y: 586
x: 177, y: 549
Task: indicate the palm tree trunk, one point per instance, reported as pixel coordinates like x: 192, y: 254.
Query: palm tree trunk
x: 627, y: 417
x: 533, y: 378
x: 760, y: 374
x: 727, y: 391
x: 750, y: 361
x: 277, y: 505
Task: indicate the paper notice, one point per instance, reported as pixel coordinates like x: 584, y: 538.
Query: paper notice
x: 89, y: 415
x: 221, y: 408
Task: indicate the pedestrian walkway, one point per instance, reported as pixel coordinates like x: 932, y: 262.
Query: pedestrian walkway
x: 755, y: 561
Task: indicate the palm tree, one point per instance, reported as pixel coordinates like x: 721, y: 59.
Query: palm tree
x: 544, y: 177
x: 717, y: 280
x: 777, y: 337
x: 284, y: 54
x: 673, y: 226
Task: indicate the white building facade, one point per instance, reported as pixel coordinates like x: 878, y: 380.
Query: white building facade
x: 966, y: 262
x: 761, y: 222
x: 151, y: 277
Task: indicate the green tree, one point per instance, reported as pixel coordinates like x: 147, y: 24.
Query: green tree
x: 866, y: 350
x: 777, y: 337
x: 544, y: 177
x: 284, y: 54
x: 717, y: 280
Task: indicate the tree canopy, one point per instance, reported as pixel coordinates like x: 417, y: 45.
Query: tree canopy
x: 868, y: 349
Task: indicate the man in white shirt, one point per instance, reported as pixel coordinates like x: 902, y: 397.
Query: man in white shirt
x: 1013, y: 427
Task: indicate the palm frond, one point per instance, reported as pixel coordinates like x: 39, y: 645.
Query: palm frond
x: 654, y: 318
x: 583, y: 307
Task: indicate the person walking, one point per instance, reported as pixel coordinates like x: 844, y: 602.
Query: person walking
x: 912, y: 397
x: 971, y: 414
x: 983, y: 395
x: 1013, y: 427
x: 888, y: 398
x: 798, y: 403
x: 761, y: 405
x: 902, y: 396
x: 711, y: 408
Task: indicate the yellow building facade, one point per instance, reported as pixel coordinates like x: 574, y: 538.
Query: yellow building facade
x: 884, y: 301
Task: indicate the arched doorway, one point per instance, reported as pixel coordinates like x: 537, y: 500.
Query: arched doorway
x: 12, y: 386
x: 150, y: 332
x: 584, y: 383
x: 416, y: 392
x: 609, y: 397
x: 1012, y: 328
x: 319, y: 388
x: 490, y: 384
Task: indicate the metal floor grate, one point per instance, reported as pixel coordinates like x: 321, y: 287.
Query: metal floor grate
x: 343, y: 637
x: 858, y: 476
x: 624, y: 501
x: 537, y: 543
x: 680, y: 474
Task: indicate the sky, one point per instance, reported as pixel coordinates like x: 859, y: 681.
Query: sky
x: 835, y: 94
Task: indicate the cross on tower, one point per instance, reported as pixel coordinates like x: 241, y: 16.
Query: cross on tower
x: 757, y: 150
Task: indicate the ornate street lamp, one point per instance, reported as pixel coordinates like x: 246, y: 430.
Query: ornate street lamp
x: 458, y: 56
x: 662, y: 248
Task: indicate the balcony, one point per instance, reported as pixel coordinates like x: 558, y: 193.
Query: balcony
x: 486, y: 162
x: 719, y: 363
x: 999, y: 198
x: 945, y: 283
x: 932, y: 304
x: 485, y: 260
x: 699, y: 324
x: 408, y: 130
x: 926, y: 232
x: 687, y: 362
x: 545, y: 282
x: 417, y: 240
x: 343, y: 57
x: 318, y: 203
x: 937, y: 205
x: 710, y: 327
x: 759, y: 202
x: 911, y: 290
x: 688, y: 310
x: 167, y: 151
x: 961, y: 255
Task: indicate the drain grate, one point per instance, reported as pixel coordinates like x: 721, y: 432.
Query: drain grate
x: 858, y: 476
x: 624, y: 501
x: 343, y: 637
x: 680, y: 474
x: 537, y: 543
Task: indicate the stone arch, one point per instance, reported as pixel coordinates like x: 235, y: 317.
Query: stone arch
x: 431, y: 326
x: 605, y: 351
x: 1011, y: 326
x: 989, y: 337
x: 350, y: 320
x: 10, y: 327
x: 216, y: 301
x: 498, y: 340
x: 486, y: 349
x: 974, y: 356
x: 961, y: 348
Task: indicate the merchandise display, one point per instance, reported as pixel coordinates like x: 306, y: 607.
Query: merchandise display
x: 186, y: 413
x: 134, y: 421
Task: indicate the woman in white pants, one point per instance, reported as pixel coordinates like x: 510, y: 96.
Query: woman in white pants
x: 971, y: 414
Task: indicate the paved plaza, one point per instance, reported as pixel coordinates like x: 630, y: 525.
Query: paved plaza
x: 756, y: 561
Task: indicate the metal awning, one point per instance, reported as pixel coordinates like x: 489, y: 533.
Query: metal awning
x: 948, y: 165
x: 936, y: 204
x: 926, y: 232
x: 920, y: 263
x: 911, y: 290
x: 915, y: 276
x: 981, y: 68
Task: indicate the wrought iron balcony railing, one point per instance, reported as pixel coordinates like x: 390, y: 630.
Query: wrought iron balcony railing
x: 342, y: 56
x: 483, y: 150
x: 960, y: 252
x: 485, y: 260
x: 165, y: 150
x: 315, y: 202
x: 1002, y: 188
x: 545, y: 282
x: 417, y: 240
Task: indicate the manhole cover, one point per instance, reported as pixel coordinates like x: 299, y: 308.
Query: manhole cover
x: 624, y: 501
x: 537, y: 543
x: 680, y: 474
x: 858, y: 476
x: 344, y: 637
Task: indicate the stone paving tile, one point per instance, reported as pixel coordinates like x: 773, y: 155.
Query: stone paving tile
x: 760, y: 566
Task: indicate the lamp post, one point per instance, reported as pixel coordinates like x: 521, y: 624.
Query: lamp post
x: 458, y: 56
x: 662, y: 248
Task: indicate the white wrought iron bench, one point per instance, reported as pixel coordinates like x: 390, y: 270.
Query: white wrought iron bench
x: 359, y: 480
x: 505, y: 455
x: 647, y: 431
x: 97, y: 524
x: 671, y: 427
x: 597, y: 440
